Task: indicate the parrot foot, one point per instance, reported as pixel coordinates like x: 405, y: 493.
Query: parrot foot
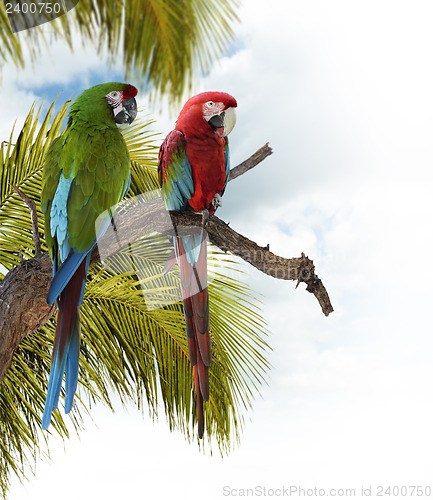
x: 217, y: 201
x: 204, y: 216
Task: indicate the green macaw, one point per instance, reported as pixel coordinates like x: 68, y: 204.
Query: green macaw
x: 86, y: 173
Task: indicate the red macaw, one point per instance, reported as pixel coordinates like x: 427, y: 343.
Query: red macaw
x: 193, y: 171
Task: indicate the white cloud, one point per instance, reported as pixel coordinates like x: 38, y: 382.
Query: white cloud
x: 57, y: 70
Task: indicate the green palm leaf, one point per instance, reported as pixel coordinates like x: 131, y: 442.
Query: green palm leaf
x: 128, y: 346
x: 162, y: 42
x: 10, y: 46
x: 22, y: 165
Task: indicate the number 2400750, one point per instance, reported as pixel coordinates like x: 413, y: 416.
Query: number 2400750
x: 409, y: 491
x: 34, y: 8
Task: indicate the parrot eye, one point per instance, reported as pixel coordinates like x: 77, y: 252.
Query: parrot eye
x: 210, y: 104
x: 114, y: 98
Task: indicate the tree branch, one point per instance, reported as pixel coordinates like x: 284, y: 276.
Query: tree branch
x: 137, y: 221
x: 23, y: 305
x: 34, y: 216
x: 251, y: 162
x: 23, y: 291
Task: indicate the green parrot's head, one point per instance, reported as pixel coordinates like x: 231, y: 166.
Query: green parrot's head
x: 106, y: 103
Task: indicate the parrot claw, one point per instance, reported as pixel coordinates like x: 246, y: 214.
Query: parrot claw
x: 217, y: 201
x: 204, y: 216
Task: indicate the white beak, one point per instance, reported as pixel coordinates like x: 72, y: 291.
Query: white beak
x: 229, y: 121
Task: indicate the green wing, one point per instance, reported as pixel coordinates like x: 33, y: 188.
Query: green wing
x: 50, y: 181
x: 98, y: 162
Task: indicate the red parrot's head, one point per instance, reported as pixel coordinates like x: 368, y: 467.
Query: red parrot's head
x: 208, y: 113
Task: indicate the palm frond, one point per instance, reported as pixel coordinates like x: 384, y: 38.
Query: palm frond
x: 162, y: 42
x: 10, y: 46
x: 22, y: 165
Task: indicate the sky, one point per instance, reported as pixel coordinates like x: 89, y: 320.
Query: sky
x: 342, y: 92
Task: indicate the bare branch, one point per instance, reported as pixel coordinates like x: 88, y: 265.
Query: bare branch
x: 23, y: 305
x: 23, y: 291
x: 34, y: 215
x: 300, y: 269
x: 251, y: 162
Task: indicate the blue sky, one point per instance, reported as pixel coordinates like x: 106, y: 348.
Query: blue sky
x: 342, y: 91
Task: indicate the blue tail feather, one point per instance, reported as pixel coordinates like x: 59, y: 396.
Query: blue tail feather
x: 72, y: 296
x: 54, y: 386
x: 64, y: 274
x: 69, y: 363
x: 66, y: 344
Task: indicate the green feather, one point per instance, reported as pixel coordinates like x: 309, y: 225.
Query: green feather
x: 92, y: 151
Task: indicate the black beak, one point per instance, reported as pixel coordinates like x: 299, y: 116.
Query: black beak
x: 217, y: 121
x: 128, y: 112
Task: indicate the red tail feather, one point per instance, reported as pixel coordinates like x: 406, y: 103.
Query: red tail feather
x: 200, y: 415
x: 68, y: 309
x: 196, y: 310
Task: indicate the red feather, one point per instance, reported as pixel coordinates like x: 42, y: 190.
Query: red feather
x: 69, y: 308
x: 204, y: 148
x: 128, y: 92
x: 196, y: 311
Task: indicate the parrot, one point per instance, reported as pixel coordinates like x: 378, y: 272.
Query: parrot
x: 86, y: 172
x: 193, y: 170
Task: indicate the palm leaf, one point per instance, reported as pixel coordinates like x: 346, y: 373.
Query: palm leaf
x: 22, y: 165
x: 10, y: 46
x: 162, y: 42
